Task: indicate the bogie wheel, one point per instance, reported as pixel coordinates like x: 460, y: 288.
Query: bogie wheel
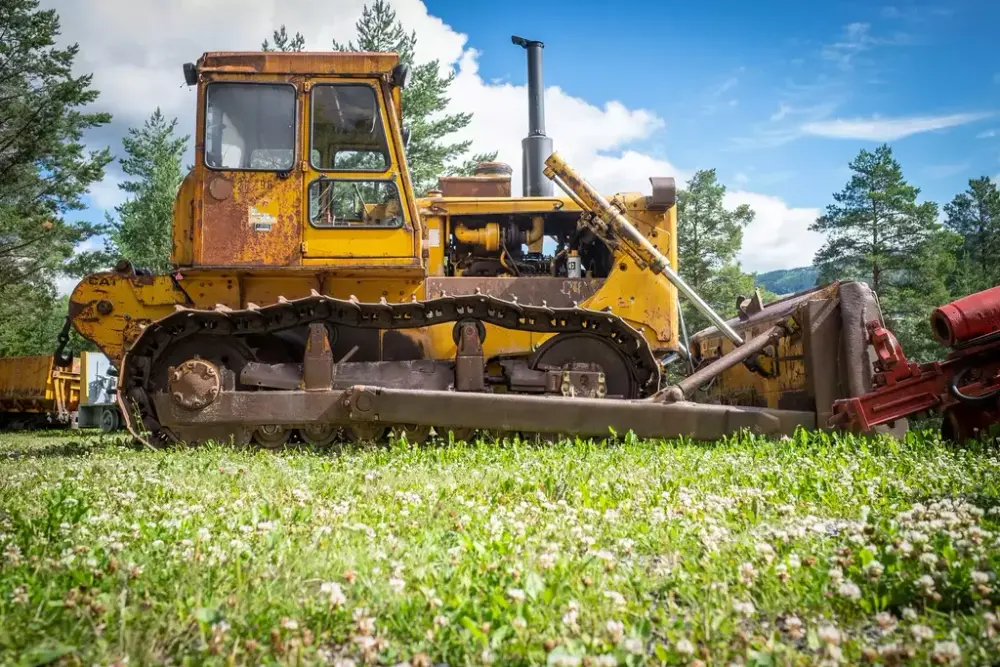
x: 564, y: 349
x: 415, y: 435
x: 463, y: 434
x: 366, y: 432
x: 272, y: 436
x: 319, y: 435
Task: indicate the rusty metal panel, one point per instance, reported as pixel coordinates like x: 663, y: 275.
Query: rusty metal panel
x: 506, y: 412
x: 556, y: 292
x: 474, y: 186
x: 249, y: 218
x: 307, y: 62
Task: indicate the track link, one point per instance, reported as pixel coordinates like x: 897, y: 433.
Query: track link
x: 140, y: 363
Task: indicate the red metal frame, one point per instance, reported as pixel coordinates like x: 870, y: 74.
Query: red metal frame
x: 902, y: 388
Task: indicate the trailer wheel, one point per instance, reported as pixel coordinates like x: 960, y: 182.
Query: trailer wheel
x: 110, y: 420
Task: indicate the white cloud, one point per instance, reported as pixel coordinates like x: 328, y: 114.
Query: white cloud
x: 107, y: 195
x: 135, y: 49
x: 887, y: 129
x: 779, y: 236
x: 987, y: 134
x: 937, y: 171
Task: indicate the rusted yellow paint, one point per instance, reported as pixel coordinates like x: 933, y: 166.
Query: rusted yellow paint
x: 35, y: 384
x: 220, y: 257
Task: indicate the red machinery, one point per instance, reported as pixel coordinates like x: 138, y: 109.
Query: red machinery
x: 964, y: 387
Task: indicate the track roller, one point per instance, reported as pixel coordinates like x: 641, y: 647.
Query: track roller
x: 272, y: 436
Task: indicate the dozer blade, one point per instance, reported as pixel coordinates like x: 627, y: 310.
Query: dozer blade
x: 493, y: 412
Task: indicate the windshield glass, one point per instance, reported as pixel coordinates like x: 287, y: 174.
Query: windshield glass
x: 347, y: 130
x: 250, y: 126
x: 344, y: 203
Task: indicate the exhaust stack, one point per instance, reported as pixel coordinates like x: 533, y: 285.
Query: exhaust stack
x: 536, y: 146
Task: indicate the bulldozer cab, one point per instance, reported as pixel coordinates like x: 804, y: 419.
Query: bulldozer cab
x: 299, y: 162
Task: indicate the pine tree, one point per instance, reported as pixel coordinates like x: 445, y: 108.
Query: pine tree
x: 425, y: 100
x: 975, y: 216
x: 709, y: 238
x: 282, y: 42
x: 44, y: 167
x: 877, y: 232
x: 142, y: 231
x: 875, y: 228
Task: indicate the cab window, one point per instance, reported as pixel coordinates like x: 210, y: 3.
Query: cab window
x: 354, y: 203
x: 347, y: 129
x: 250, y: 126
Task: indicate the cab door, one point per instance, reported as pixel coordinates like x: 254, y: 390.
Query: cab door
x: 248, y: 206
x: 357, y: 208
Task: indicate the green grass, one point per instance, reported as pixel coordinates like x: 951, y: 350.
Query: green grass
x: 812, y: 550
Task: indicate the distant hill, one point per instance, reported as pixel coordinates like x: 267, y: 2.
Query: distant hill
x: 786, y: 281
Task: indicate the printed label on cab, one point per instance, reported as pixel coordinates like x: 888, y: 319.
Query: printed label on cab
x: 261, y: 221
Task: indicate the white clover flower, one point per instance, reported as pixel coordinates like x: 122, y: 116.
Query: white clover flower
x: 929, y: 559
x: 605, y: 661
x: 850, y: 590
x: 981, y: 578
x: 744, y: 608
x: 874, y: 570
x: 519, y: 623
x: 922, y: 632
x: 547, y: 561
x: 397, y: 584
x: 886, y: 622
x: 909, y: 613
x: 926, y: 582
x: 828, y: 634
x: 634, y: 646
x: 516, y: 594
x: 441, y: 621
x: 615, y: 630
x: 684, y: 647
x: 946, y: 652
x: 836, y: 575
x: 289, y: 624
x: 794, y: 627
x: 335, y: 593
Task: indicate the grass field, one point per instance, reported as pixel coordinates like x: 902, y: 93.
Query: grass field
x: 812, y: 550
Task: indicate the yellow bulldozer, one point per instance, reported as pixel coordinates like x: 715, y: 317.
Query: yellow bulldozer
x: 315, y: 296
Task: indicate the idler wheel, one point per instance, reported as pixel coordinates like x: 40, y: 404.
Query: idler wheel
x: 195, y: 384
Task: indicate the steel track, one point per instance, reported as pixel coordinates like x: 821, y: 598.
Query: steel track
x: 140, y: 363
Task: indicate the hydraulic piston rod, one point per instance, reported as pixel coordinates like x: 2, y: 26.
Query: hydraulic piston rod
x: 617, y: 228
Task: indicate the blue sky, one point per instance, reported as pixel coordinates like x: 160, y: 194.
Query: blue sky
x: 735, y: 81
x: 778, y: 96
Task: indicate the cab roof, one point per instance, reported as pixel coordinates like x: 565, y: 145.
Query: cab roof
x: 306, y: 62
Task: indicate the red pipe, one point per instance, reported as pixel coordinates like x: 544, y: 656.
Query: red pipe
x: 967, y: 318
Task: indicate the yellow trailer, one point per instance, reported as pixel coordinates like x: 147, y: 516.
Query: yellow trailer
x: 35, y: 392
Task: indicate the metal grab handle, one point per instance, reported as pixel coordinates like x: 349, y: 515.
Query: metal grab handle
x: 637, y: 245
